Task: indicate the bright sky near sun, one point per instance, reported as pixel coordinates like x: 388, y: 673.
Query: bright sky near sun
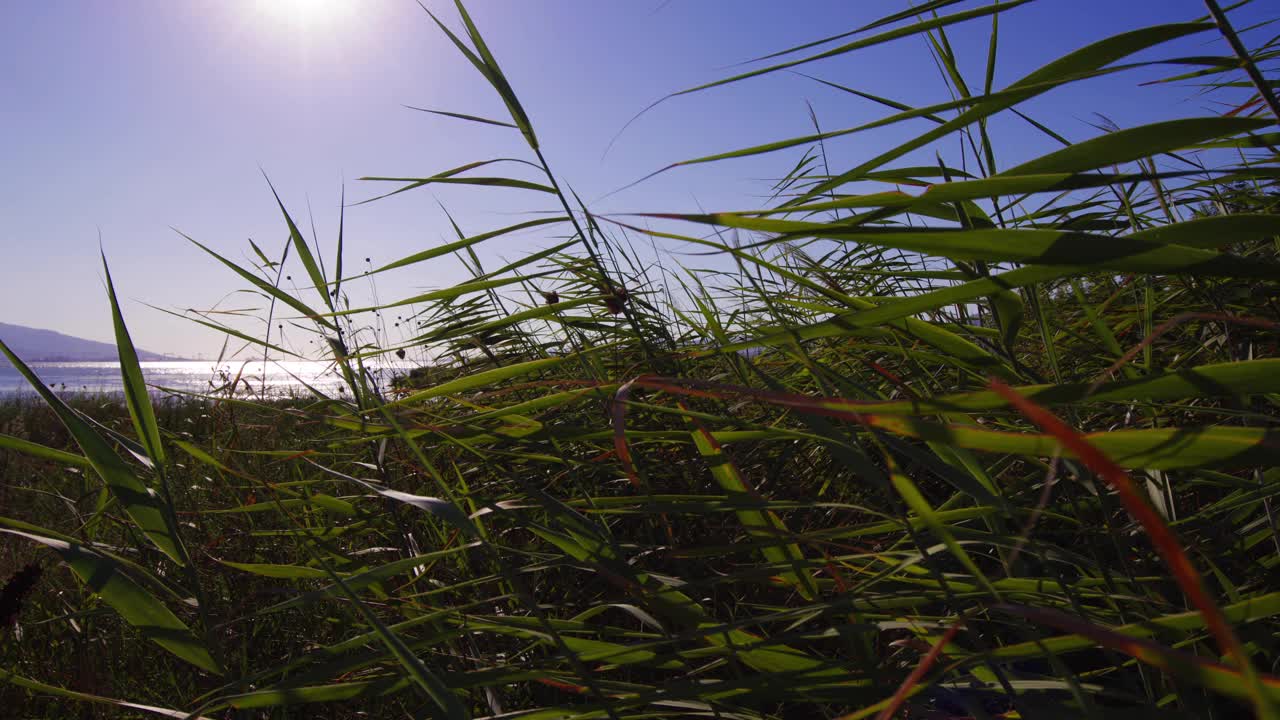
x: 136, y: 118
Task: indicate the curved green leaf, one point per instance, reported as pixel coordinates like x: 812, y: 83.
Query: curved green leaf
x: 145, y: 507
x: 137, y: 606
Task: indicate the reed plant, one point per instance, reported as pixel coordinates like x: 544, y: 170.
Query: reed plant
x: 940, y: 438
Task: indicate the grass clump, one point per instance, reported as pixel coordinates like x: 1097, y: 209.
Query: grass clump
x: 998, y: 444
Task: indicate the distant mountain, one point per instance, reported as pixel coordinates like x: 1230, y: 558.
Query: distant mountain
x: 35, y: 345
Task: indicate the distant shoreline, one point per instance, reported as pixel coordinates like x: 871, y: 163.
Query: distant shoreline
x: 42, y: 345
x: 250, y: 376
x: 67, y: 359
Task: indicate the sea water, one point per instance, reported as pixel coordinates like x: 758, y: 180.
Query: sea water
x: 249, y: 378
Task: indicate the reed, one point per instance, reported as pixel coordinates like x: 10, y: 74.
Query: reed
x: 948, y: 439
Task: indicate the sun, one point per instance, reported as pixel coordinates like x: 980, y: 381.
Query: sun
x: 304, y: 15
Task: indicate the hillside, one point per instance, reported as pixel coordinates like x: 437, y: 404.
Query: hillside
x: 34, y: 344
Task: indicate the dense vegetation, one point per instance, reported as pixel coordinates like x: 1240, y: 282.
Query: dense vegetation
x: 932, y: 440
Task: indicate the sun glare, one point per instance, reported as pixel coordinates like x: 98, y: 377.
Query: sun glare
x: 304, y: 14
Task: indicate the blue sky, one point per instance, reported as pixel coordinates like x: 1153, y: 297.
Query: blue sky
x: 132, y: 118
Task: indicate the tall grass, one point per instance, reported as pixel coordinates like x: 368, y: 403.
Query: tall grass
x: 940, y: 440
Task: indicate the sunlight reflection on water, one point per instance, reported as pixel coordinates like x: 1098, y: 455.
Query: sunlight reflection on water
x: 283, y: 378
